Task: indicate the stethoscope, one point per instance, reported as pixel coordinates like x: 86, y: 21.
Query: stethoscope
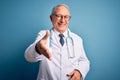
x: 69, y: 43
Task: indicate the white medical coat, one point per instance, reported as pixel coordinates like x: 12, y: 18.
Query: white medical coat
x: 61, y: 64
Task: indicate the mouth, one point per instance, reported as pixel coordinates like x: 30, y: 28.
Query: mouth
x: 61, y: 24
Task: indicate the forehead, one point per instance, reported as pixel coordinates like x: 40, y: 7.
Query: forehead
x: 62, y: 10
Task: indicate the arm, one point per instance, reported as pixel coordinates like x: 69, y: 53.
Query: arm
x: 31, y: 54
x: 82, y: 65
x: 34, y: 52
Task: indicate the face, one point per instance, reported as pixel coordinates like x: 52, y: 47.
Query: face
x: 60, y: 19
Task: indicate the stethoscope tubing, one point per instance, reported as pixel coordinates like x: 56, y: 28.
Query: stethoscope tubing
x: 70, y: 54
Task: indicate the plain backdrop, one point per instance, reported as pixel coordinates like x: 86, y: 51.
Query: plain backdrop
x: 96, y: 21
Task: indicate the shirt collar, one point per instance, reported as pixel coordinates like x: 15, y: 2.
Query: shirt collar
x: 65, y: 33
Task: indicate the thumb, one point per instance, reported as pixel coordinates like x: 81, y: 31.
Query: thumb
x: 70, y: 74
x: 44, y: 40
x: 46, y: 35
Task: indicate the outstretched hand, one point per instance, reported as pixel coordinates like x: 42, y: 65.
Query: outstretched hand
x: 41, y: 46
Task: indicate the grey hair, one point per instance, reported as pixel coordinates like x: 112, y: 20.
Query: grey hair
x: 53, y: 10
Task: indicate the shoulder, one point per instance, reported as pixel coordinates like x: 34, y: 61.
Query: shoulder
x: 75, y: 36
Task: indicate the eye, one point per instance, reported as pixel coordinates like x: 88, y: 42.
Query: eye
x: 66, y: 16
x: 58, y: 16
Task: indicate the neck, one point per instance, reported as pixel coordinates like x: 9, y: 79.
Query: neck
x: 61, y: 32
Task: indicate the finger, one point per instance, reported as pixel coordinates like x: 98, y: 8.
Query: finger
x: 70, y: 74
x: 72, y: 78
x: 46, y: 53
x: 44, y: 40
x: 49, y: 54
x: 45, y: 50
x: 46, y: 35
x: 75, y: 76
x: 43, y: 45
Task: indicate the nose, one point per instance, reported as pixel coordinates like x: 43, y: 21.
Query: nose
x: 62, y: 19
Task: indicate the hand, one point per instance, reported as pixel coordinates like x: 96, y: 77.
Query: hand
x: 42, y: 48
x: 74, y: 75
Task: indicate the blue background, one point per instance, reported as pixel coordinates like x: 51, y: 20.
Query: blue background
x: 96, y: 21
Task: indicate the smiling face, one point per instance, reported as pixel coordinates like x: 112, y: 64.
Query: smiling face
x: 60, y: 18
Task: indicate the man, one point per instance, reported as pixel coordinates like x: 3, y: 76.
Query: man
x: 60, y: 51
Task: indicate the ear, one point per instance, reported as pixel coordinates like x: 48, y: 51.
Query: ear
x: 51, y: 17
